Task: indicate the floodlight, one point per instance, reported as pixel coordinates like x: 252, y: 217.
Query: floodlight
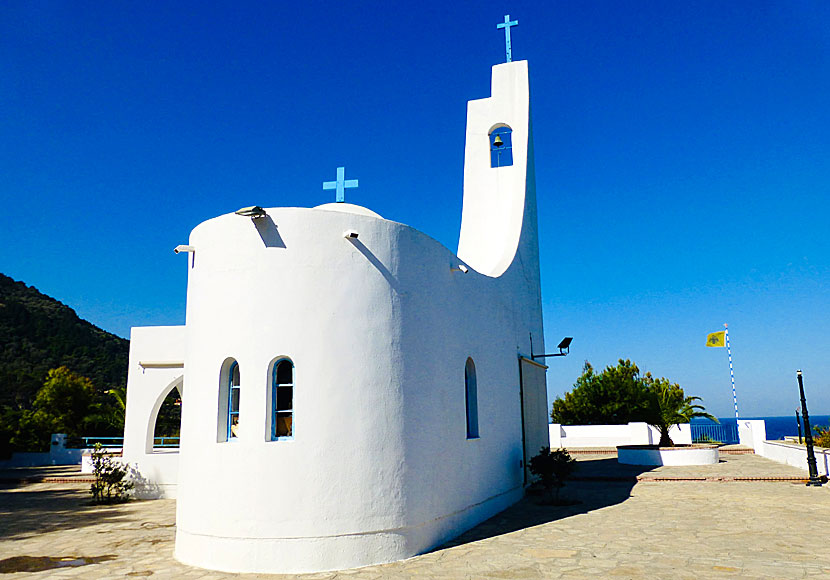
x: 252, y: 212
x: 564, y: 348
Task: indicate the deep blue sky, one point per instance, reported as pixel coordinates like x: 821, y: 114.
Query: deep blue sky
x: 683, y: 159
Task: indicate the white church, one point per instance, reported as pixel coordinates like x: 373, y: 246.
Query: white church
x: 353, y: 392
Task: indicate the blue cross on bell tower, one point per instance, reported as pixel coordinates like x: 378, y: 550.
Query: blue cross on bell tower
x: 340, y: 184
x: 506, y: 25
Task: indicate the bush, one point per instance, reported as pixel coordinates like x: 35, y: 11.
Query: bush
x: 552, y: 468
x: 110, y: 485
x: 822, y: 436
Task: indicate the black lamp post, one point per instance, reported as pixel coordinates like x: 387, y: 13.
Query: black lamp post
x: 798, y: 422
x: 808, y: 437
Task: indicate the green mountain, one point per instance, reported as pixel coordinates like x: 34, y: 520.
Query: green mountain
x: 38, y: 333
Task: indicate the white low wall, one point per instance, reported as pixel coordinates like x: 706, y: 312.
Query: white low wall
x: 640, y: 455
x: 575, y: 436
x: 752, y: 433
x: 795, y: 455
x: 58, y: 454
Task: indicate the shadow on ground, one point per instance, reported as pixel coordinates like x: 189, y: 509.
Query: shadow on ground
x: 20, y: 475
x: 26, y: 512
x: 596, y: 483
x: 41, y: 563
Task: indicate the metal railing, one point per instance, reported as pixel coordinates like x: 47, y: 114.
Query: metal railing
x: 89, y: 442
x: 165, y: 442
x: 703, y: 433
x: 112, y: 442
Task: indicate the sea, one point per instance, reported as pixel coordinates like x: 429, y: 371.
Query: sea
x: 777, y: 427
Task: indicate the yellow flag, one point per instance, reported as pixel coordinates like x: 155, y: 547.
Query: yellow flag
x: 716, y: 339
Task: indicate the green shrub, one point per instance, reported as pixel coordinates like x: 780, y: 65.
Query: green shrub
x: 822, y: 436
x: 110, y: 485
x: 552, y: 468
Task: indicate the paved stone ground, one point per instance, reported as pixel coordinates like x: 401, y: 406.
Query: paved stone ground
x: 623, y: 528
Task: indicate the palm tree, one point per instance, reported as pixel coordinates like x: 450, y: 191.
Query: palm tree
x: 120, y: 396
x: 670, y: 406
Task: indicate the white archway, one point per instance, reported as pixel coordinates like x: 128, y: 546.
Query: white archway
x: 178, y: 384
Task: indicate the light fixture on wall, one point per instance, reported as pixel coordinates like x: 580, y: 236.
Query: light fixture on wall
x: 564, y: 348
x: 460, y: 268
x: 252, y: 212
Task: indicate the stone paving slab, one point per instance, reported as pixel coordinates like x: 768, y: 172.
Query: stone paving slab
x: 730, y: 468
x: 621, y: 529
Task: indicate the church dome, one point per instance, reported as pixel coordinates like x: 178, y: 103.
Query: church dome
x: 348, y: 208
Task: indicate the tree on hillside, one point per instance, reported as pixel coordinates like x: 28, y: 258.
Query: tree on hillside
x: 38, y: 334
x: 615, y: 396
x: 62, y: 405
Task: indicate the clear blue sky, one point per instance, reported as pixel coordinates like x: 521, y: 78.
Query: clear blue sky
x: 683, y: 159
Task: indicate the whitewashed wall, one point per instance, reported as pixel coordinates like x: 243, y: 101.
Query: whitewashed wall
x: 576, y: 436
x: 795, y: 455
x: 161, y: 350
x: 752, y: 433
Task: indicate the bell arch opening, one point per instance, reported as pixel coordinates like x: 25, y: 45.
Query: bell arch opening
x: 501, y: 145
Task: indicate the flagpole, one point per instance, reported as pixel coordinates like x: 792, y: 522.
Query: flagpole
x: 731, y: 372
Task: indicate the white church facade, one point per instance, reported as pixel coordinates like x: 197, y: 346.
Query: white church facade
x: 353, y: 392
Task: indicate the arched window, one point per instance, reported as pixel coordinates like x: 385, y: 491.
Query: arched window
x: 282, y: 400
x: 471, y: 398
x: 501, y: 146
x: 227, y: 425
x: 233, y: 401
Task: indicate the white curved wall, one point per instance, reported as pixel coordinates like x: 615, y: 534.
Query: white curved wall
x: 379, y: 330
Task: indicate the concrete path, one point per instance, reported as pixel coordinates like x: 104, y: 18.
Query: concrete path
x: 623, y: 528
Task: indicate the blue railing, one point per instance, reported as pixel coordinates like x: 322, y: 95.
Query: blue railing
x: 165, y: 442
x: 706, y: 433
x: 112, y: 442
x: 89, y: 442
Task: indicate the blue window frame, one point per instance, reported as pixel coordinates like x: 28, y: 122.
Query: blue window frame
x: 233, y: 401
x: 282, y: 400
x: 501, y: 147
x: 471, y: 399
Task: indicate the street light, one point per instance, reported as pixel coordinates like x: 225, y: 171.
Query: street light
x: 808, y: 437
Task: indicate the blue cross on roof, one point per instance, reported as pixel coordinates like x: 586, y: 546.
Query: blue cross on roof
x: 506, y: 25
x: 341, y: 184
